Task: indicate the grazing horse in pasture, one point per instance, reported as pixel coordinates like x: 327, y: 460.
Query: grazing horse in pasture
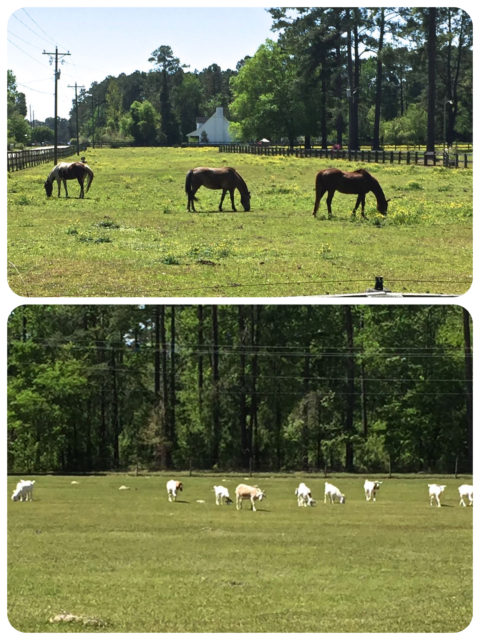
x: 358, y: 182
x: 64, y: 171
x: 225, y: 178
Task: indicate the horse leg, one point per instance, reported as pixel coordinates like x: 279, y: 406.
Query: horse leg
x: 232, y: 191
x: 191, y: 200
x: 329, y: 202
x: 80, y: 182
x: 59, y: 186
x: 319, y: 196
x: 65, y: 187
x: 358, y: 202
x: 224, y: 191
x: 363, y: 206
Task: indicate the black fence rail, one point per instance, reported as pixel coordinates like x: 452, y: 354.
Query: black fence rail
x: 17, y: 160
x: 453, y: 160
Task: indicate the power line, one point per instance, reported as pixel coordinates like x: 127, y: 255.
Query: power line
x: 24, y: 52
x: 37, y: 25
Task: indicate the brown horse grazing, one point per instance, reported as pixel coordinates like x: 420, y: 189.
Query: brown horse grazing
x: 64, y: 171
x: 359, y: 182
x: 225, y: 178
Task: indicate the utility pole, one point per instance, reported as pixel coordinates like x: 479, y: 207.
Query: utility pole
x: 76, y: 111
x: 57, y: 76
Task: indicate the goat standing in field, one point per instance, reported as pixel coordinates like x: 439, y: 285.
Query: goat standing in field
x: 246, y: 492
x: 435, y: 492
x: 371, y: 487
x: 172, y: 487
x: 466, y: 493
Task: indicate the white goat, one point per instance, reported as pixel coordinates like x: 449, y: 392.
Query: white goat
x: 333, y: 493
x: 222, y: 496
x: 172, y: 487
x: 466, y: 493
x: 23, y: 492
x: 371, y: 487
x: 435, y: 492
x: 304, y: 496
x: 245, y: 491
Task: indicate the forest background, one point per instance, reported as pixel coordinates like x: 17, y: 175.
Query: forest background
x: 345, y: 76
x: 240, y: 387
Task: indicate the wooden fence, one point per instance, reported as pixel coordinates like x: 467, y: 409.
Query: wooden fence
x: 455, y: 160
x: 17, y: 160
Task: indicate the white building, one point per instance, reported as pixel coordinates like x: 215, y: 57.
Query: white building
x: 213, y: 130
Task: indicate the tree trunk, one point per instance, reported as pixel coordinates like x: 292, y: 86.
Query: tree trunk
x: 173, y: 394
x: 255, y: 315
x: 469, y: 385
x: 200, y: 357
x: 245, y: 452
x: 215, y: 390
x: 378, y: 85
x: 350, y: 399
x: 431, y: 58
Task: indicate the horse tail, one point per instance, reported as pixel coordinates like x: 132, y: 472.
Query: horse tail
x: 90, y: 176
x: 319, y: 181
x: 188, y: 185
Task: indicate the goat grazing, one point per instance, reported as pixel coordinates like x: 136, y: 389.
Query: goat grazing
x: 246, y: 492
x: 304, y: 496
x: 222, y: 496
x: 23, y: 492
x: 172, y: 487
x: 333, y: 493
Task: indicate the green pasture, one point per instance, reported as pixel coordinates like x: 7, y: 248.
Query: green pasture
x: 130, y: 561
x: 132, y: 235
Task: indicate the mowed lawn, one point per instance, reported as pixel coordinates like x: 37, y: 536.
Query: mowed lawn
x: 130, y: 561
x: 132, y: 236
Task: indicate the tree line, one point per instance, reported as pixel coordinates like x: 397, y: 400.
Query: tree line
x: 344, y: 76
x: 247, y: 387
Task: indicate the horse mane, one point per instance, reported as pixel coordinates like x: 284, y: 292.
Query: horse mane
x: 241, y: 181
x: 376, y: 188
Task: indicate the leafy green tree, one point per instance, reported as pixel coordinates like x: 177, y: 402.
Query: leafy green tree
x: 170, y: 71
x: 18, y: 127
x: 252, y: 387
x: 142, y: 123
x: 42, y: 134
x: 266, y: 100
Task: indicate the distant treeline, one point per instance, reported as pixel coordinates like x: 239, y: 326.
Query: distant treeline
x: 343, y: 76
x: 247, y: 387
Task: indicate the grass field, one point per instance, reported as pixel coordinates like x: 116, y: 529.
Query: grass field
x: 132, y: 236
x: 130, y: 561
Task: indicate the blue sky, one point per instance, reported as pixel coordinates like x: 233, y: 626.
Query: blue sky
x: 111, y: 41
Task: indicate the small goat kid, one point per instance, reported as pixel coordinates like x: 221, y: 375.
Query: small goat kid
x: 435, y: 492
x: 371, y: 487
x: 465, y: 492
x: 333, y: 493
x: 246, y: 492
x: 304, y: 496
x: 172, y: 487
x: 23, y: 492
x: 222, y: 496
